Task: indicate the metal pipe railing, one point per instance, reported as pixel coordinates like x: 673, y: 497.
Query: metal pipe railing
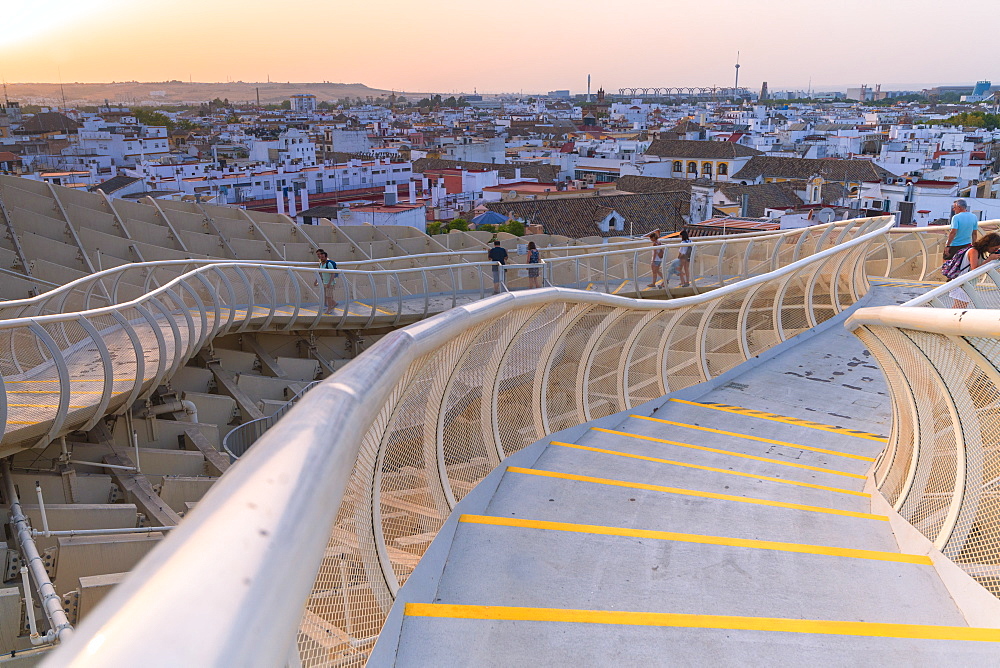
x: 59, y: 626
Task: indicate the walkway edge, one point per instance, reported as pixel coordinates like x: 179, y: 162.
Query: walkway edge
x: 979, y: 607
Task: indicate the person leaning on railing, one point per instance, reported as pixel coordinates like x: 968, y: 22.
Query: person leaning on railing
x: 498, y: 255
x: 964, y: 230
x: 978, y: 253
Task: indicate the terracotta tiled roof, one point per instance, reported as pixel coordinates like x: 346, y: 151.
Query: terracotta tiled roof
x: 708, y: 150
x: 762, y: 196
x: 804, y: 168
x: 49, y: 122
x: 578, y: 216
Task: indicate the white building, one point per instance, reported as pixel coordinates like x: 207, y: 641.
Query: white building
x: 126, y: 144
x: 304, y: 103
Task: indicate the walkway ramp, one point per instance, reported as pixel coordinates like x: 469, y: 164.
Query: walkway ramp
x: 698, y: 531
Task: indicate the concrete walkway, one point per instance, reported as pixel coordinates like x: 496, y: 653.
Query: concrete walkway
x: 732, y: 528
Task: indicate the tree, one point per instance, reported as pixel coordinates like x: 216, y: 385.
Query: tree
x: 459, y: 224
x: 434, y: 227
x: 149, y: 117
x: 515, y: 227
x: 973, y: 119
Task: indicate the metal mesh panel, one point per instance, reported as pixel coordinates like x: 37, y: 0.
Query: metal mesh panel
x: 794, y: 318
x: 563, y: 398
x: 603, y: 382
x: 644, y: 381
x: 411, y: 494
x: 518, y: 410
x: 723, y: 334
x: 468, y: 445
x: 973, y: 538
x: 932, y: 483
x: 350, y: 597
x: 682, y: 348
x: 823, y: 307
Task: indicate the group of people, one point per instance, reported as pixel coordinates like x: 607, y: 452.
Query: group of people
x: 680, y: 266
x: 964, y: 239
x: 498, y: 256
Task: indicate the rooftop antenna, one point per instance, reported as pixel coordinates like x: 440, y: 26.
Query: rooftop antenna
x: 737, y: 83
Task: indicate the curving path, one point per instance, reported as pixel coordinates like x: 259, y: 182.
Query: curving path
x: 733, y: 522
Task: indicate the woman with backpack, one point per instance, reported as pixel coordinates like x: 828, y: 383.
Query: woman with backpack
x: 534, y: 257
x: 983, y: 247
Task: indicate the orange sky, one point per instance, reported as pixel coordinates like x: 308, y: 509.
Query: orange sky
x: 505, y: 45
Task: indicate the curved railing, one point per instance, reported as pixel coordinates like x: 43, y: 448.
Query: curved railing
x: 240, y: 438
x: 65, y: 371
x: 941, y: 468
x: 621, y: 267
x: 296, y: 554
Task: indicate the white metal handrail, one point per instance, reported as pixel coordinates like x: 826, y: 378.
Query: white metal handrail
x: 344, y: 493
x: 940, y: 354
x: 606, y: 268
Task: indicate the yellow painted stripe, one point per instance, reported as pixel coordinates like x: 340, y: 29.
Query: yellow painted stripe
x: 52, y: 392
x: 670, y: 619
x: 730, y: 453
x: 73, y: 380
x: 798, y: 548
x: 691, y: 492
x: 785, y: 419
x: 40, y: 406
x: 713, y: 469
x: 619, y: 288
x: 376, y: 308
x: 756, y: 438
x: 589, y: 286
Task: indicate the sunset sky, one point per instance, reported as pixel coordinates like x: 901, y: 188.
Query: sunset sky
x: 501, y: 46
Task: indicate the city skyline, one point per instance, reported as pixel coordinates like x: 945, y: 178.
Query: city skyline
x: 447, y: 46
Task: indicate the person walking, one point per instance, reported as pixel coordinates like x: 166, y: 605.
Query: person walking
x: 964, y: 230
x: 497, y: 255
x: 657, y: 259
x: 534, y: 257
x: 328, y: 279
x: 684, y: 255
x: 982, y: 248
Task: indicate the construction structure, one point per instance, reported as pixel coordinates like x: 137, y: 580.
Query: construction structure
x: 558, y: 472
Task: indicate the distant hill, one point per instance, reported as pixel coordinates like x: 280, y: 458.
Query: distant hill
x: 176, y: 92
